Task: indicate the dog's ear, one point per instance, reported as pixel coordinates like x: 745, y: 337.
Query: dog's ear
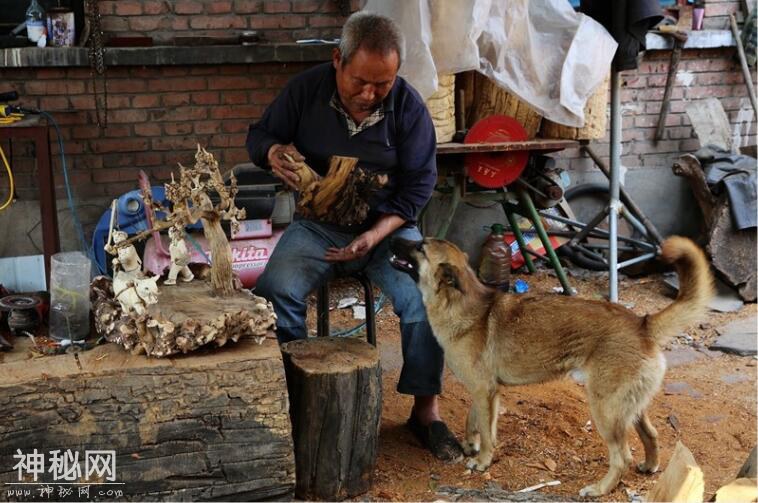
x: 447, y: 274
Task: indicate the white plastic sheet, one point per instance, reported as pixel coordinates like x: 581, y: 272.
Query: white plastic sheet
x: 541, y: 50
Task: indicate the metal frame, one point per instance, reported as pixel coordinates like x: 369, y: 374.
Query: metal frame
x: 47, y: 205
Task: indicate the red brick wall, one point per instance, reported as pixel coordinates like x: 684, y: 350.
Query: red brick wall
x: 701, y: 74
x: 157, y: 114
x: 156, y: 117
x: 276, y: 21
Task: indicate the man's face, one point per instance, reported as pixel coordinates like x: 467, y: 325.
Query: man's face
x: 365, y: 80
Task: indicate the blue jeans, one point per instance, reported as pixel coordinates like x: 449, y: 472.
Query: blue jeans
x: 297, y: 267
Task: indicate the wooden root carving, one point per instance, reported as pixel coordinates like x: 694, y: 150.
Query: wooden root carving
x: 187, y: 318
x: 341, y: 197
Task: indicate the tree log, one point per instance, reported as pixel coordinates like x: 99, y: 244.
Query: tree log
x: 211, y: 426
x: 335, y: 390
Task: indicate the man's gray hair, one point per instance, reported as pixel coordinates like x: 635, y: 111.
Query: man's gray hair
x: 372, y: 32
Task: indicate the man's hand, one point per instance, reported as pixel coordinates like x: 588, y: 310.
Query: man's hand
x: 360, y: 246
x: 281, y: 167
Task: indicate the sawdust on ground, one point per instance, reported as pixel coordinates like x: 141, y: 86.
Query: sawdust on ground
x: 545, y: 432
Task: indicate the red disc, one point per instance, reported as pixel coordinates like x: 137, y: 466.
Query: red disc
x: 496, y: 169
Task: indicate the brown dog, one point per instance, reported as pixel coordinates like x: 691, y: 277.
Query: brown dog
x: 491, y: 338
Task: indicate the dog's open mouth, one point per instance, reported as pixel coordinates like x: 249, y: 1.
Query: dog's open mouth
x: 402, y: 257
x: 401, y: 264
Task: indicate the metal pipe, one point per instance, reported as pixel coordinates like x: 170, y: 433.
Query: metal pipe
x: 628, y: 201
x: 743, y: 63
x: 594, y: 233
x: 641, y: 258
x: 614, y: 202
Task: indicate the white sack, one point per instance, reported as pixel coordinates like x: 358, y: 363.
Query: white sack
x: 541, y: 50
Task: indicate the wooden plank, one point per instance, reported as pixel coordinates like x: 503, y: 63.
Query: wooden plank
x: 710, y: 122
x: 537, y: 145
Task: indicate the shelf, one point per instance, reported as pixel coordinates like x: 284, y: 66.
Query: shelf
x: 539, y: 144
x: 701, y: 39
x: 29, y: 57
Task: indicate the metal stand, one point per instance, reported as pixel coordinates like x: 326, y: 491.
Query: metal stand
x: 30, y: 129
x: 525, y: 208
x: 614, y: 202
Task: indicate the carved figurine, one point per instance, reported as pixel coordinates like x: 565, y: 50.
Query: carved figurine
x: 134, y: 293
x: 180, y: 257
x: 126, y: 257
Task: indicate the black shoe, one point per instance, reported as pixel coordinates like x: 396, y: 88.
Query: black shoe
x: 437, y: 438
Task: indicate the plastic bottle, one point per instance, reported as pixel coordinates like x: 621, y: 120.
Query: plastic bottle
x: 495, y: 261
x: 35, y: 22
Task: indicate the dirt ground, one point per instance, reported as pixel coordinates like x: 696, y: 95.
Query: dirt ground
x: 708, y: 403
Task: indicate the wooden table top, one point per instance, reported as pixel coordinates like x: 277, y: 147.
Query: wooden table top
x: 538, y: 144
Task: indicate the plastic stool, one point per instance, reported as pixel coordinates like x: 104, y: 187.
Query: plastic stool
x: 322, y: 308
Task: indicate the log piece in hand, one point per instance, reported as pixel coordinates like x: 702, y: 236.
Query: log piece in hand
x: 335, y: 405
x: 341, y: 197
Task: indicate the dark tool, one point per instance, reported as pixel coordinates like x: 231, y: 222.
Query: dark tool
x: 676, y: 54
x: 23, y: 315
x: 9, y: 96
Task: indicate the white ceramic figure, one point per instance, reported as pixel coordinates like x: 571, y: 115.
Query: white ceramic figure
x: 180, y: 257
x: 127, y: 258
x: 135, y: 293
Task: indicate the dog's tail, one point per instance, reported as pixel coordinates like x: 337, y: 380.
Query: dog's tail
x: 695, y: 289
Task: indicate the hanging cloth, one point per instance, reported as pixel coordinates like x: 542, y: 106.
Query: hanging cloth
x: 627, y: 21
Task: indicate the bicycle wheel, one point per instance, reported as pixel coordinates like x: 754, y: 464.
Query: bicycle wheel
x: 587, y: 201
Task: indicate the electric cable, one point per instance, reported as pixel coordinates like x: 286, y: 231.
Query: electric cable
x: 69, y: 196
x: 11, y: 184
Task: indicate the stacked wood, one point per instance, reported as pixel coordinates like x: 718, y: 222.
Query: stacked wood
x: 483, y: 97
x: 335, y: 391
x: 211, y: 427
x: 595, y: 119
x: 341, y: 197
x: 186, y: 318
x: 441, y: 106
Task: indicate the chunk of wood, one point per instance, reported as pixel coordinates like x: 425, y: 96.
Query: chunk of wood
x: 682, y: 481
x: 342, y: 196
x: 732, y: 252
x: 738, y: 491
x: 335, y: 390
x: 213, y: 426
x: 484, y: 97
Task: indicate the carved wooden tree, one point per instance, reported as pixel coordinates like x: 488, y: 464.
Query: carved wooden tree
x: 191, y: 315
x: 194, y: 186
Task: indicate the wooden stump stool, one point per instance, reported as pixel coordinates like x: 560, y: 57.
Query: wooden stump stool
x: 210, y: 425
x: 335, y: 390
